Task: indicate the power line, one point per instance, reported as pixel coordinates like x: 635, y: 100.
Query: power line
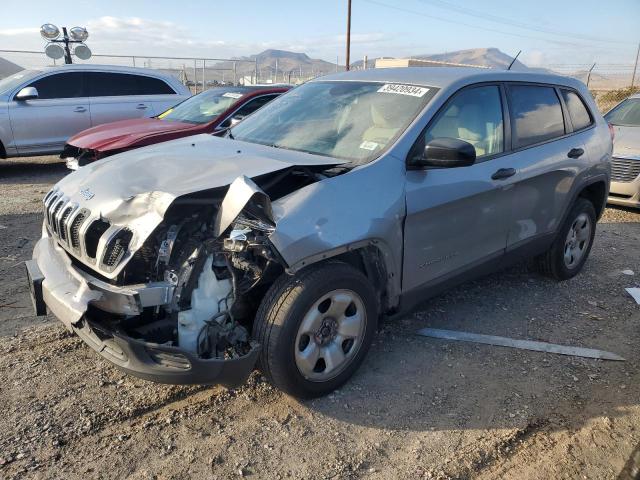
x: 478, y: 27
x: 517, y: 23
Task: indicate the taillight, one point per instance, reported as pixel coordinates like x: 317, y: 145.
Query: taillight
x: 612, y: 132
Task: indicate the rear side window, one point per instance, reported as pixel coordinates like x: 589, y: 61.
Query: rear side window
x: 578, y: 111
x: 59, y: 85
x: 105, y: 84
x: 153, y: 86
x: 536, y: 114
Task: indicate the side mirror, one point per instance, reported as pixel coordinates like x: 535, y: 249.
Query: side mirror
x: 446, y: 152
x: 236, y: 120
x: 27, y: 93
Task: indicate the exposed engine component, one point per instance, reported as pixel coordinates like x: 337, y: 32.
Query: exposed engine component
x: 210, y: 302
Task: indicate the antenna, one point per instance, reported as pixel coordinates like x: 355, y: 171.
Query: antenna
x: 514, y: 60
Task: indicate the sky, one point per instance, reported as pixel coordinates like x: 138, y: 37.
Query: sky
x: 548, y: 32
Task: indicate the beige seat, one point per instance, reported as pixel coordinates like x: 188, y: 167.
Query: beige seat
x: 473, y: 130
x: 384, y: 126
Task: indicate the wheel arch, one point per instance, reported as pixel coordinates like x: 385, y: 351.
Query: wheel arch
x: 371, y: 257
x: 596, y: 192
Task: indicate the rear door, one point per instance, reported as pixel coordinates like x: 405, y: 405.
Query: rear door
x: 61, y: 110
x: 159, y: 93
x: 546, y: 156
x: 122, y: 96
x: 458, y: 218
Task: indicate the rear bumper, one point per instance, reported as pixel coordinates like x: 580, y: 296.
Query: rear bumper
x: 56, y: 285
x: 625, y: 193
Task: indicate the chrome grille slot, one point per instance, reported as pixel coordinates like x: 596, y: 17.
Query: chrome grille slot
x: 74, y: 230
x: 62, y: 223
x: 53, y: 221
x: 92, y: 237
x: 48, y: 207
x: 116, y: 248
x: 624, y: 169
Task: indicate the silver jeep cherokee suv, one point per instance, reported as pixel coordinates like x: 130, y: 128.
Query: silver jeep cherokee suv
x: 351, y: 197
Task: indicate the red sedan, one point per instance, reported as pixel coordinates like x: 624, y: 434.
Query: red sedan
x: 212, y: 111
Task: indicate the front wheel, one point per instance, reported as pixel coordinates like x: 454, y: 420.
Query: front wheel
x: 315, y: 328
x: 569, y: 251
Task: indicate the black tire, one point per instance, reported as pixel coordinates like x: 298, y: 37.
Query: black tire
x: 281, y: 313
x: 552, y: 263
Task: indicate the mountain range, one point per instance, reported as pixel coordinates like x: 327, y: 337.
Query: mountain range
x: 8, y: 68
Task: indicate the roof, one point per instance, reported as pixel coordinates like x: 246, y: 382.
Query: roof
x: 445, y: 76
x: 109, y: 68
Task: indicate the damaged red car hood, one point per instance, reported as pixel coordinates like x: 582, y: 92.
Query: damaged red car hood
x: 126, y: 133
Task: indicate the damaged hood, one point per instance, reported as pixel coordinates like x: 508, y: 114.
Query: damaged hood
x: 627, y: 142
x: 125, y: 133
x: 134, y: 189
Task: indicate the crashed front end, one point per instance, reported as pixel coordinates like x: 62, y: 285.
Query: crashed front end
x: 169, y: 296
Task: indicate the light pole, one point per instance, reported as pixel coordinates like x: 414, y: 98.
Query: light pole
x: 348, y: 34
x: 76, y: 35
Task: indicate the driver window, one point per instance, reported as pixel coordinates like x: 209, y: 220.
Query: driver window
x: 475, y: 116
x: 248, y: 108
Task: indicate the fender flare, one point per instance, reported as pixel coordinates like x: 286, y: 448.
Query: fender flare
x: 392, y: 271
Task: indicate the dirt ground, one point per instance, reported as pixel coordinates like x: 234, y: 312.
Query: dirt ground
x: 417, y: 408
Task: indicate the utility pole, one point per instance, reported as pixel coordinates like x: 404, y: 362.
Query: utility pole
x: 635, y: 67
x: 348, y: 35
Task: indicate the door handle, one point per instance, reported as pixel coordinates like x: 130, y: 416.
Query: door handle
x: 80, y: 109
x: 142, y: 106
x: 503, y: 173
x: 575, y: 153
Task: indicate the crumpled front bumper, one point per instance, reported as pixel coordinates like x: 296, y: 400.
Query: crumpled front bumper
x: 67, y: 293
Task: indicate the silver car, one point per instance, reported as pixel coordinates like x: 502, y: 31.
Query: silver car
x: 351, y: 197
x: 625, y: 165
x: 41, y: 109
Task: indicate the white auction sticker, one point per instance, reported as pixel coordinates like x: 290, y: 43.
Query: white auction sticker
x: 232, y: 95
x: 403, y: 89
x: 366, y: 145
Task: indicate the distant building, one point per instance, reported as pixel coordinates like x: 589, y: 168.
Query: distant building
x: 418, y: 62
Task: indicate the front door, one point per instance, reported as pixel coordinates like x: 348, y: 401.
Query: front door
x: 61, y: 110
x: 458, y: 217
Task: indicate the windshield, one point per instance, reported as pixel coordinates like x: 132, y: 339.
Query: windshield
x: 16, y: 79
x: 626, y: 114
x: 354, y: 121
x: 205, y: 107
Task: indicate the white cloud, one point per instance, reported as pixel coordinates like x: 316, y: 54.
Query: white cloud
x: 140, y: 36
x: 534, y: 58
x: 10, y: 32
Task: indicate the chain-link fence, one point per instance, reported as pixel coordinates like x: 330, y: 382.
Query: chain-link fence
x: 196, y: 73
x: 609, y: 83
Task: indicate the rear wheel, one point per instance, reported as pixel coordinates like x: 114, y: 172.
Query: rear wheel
x: 570, y: 249
x: 316, y: 328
